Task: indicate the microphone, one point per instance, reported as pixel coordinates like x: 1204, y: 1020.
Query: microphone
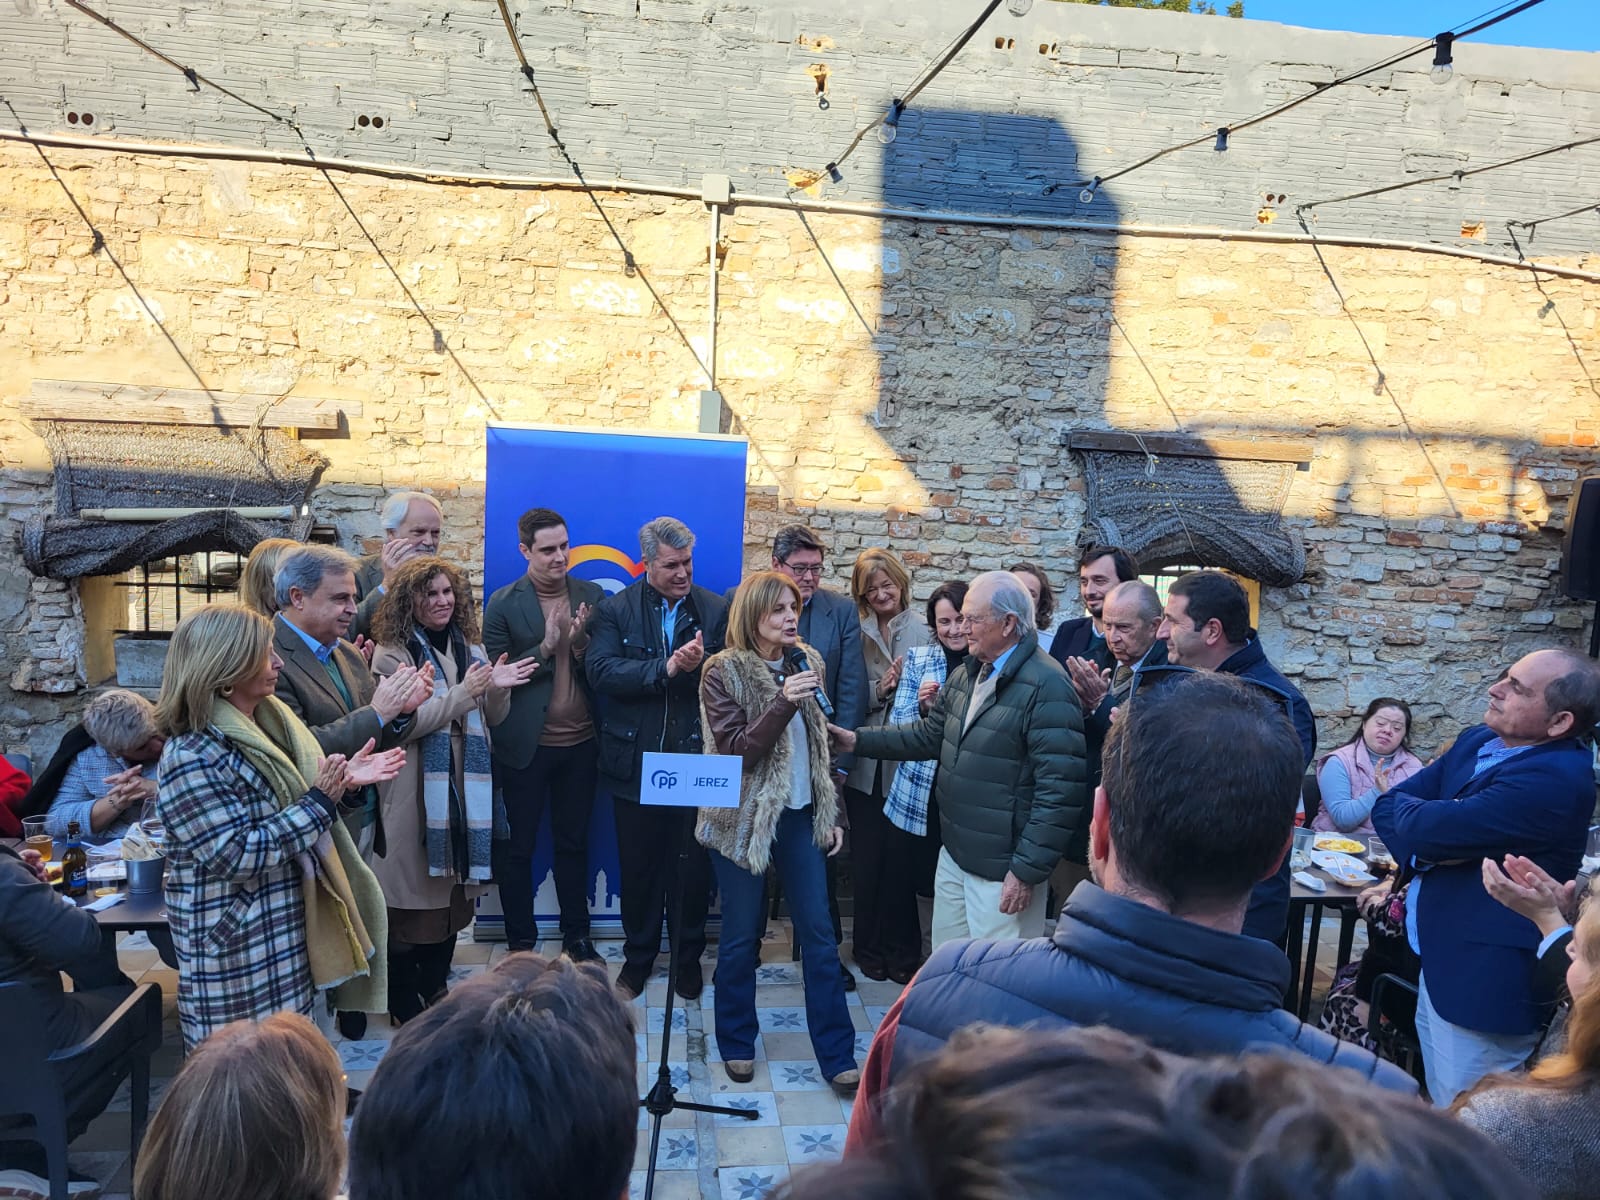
x: 797, y: 663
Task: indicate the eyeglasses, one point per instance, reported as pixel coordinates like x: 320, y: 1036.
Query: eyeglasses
x: 802, y: 570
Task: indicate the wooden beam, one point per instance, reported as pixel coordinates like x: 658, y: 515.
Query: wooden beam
x: 1295, y: 450
x: 73, y: 400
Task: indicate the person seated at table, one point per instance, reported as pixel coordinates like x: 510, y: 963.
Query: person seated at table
x: 438, y: 813
x: 40, y: 938
x: 1034, y: 1114
x: 1548, y: 1120
x: 1346, y: 1013
x: 1375, y: 759
x: 755, y: 704
x: 256, y: 1113
x: 105, y: 786
x: 268, y: 900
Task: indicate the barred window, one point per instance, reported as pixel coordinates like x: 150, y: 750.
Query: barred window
x: 154, y: 596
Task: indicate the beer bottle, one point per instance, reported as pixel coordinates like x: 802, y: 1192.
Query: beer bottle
x: 75, y: 864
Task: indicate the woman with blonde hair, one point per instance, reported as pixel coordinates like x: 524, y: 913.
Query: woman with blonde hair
x: 257, y: 1113
x: 757, y: 700
x: 438, y: 813
x: 268, y: 900
x: 1548, y: 1120
x: 255, y: 582
x: 886, y: 936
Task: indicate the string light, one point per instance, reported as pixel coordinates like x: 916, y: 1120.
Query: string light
x: 1087, y: 195
x: 1222, y: 138
x: 889, y: 129
x: 1018, y: 8
x: 1441, y: 58
x: 1441, y: 42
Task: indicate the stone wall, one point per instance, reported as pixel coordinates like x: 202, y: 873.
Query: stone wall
x: 902, y: 382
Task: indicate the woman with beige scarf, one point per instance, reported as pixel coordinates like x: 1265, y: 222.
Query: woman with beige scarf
x: 268, y: 900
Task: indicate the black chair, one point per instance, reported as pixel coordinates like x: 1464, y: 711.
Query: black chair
x: 1311, y: 796
x: 1392, y: 1021
x: 46, y: 1097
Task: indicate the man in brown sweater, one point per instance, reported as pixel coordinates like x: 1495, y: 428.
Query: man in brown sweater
x: 544, y: 752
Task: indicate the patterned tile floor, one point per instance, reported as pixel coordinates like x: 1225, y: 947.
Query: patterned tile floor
x: 802, y: 1120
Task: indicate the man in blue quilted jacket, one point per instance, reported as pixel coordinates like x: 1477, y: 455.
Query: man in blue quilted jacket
x: 1195, y: 807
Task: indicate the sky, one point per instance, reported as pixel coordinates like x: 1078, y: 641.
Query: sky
x: 1553, y: 24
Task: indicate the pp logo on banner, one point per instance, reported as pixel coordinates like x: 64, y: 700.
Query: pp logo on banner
x: 690, y: 780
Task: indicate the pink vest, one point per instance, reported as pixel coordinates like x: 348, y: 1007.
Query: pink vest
x: 1357, y: 762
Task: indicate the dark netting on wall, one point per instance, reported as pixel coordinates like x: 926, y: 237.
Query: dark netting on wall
x: 106, y: 466
x: 1221, y: 512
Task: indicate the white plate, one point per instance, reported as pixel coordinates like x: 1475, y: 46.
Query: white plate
x: 1333, y: 862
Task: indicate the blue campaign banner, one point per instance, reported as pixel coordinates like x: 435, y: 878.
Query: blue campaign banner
x: 607, y: 485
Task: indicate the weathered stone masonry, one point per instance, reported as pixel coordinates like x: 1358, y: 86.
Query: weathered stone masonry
x: 901, y: 382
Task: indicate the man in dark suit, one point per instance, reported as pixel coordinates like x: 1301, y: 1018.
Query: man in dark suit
x: 326, y: 681
x: 544, y: 751
x: 645, y: 649
x: 411, y: 523
x: 1522, y: 783
x: 1100, y: 568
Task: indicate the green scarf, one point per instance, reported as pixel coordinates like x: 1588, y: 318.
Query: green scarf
x: 346, y: 919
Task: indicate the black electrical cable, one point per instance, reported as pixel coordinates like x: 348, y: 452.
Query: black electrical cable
x: 928, y: 75
x: 1222, y: 132
x: 1593, y: 206
x: 1456, y: 175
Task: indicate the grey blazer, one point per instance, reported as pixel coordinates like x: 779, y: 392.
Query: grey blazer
x: 305, y: 687
x: 513, y: 624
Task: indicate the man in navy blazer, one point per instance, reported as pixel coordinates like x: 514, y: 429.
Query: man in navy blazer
x: 1100, y: 568
x: 1521, y: 783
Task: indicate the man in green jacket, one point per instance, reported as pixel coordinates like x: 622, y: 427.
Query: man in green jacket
x: 1007, y: 732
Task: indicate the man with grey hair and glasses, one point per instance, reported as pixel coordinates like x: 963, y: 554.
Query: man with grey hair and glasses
x: 1007, y: 732
x: 411, y: 529
x: 646, y: 644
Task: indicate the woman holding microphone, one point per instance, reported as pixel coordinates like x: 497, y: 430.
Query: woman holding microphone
x: 757, y: 701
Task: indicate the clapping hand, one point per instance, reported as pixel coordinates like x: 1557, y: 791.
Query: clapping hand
x: 421, y: 689
x: 890, y: 679
x: 367, y: 767
x: 332, y: 778
x: 687, y: 656
x: 1089, y: 681
x: 927, y: 693
x: 365, y: 646
x: 1526, y: 888
x: 395, y: 554
x: 512, y: 674
x: 578, y: 629
x: 389, y: 698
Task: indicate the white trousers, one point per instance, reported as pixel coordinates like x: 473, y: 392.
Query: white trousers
x: 1456, y: 1058
x: 965, y: 906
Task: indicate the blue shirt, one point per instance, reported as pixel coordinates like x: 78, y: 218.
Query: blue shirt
x: 1001, y: 661
x: 669, y: 622
x: 323, y: 653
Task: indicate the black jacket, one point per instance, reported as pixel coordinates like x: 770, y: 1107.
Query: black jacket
x: 641, y: 708
x: 1010, y: 787
x: 1113, y: 961
x: 1076, y: 639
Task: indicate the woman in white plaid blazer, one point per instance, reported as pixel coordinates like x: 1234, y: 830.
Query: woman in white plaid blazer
x: 915, y: 842
x: 237, y: 854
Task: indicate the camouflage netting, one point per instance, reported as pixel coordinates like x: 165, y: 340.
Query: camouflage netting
x: 1218, y: 512
x: 103, y: 465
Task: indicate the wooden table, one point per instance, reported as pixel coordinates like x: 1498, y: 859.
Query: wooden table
x: 1303, y: 956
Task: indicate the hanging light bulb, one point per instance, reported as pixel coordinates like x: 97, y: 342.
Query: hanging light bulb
x: 834, y: 175
x: 889, y: 127
x: 1441, y: 58
x: 1018, y: 8
x: 1087, y: 195
x: 1222, y: 138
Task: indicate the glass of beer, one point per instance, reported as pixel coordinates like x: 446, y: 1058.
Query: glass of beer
x: 1379, y: 861
x: 34, y: 837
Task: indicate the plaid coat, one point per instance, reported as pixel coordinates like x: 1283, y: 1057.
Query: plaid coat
x: 906, y: 806
x: 233, y: 885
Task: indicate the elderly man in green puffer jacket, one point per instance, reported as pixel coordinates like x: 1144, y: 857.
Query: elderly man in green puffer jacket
x: 1007, y: 732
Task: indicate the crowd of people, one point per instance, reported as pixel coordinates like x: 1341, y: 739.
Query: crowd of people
x: 340, y: 765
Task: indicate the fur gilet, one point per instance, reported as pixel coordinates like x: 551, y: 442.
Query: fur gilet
x: 744, y: 835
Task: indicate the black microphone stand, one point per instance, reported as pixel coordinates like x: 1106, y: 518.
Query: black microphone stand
x: 663, y: 1097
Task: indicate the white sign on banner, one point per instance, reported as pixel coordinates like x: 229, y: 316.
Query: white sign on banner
x: 690, y: 780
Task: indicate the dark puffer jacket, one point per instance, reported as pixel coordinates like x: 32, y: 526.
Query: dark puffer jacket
x: 1114, y: 961
x: 1011, y: 787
